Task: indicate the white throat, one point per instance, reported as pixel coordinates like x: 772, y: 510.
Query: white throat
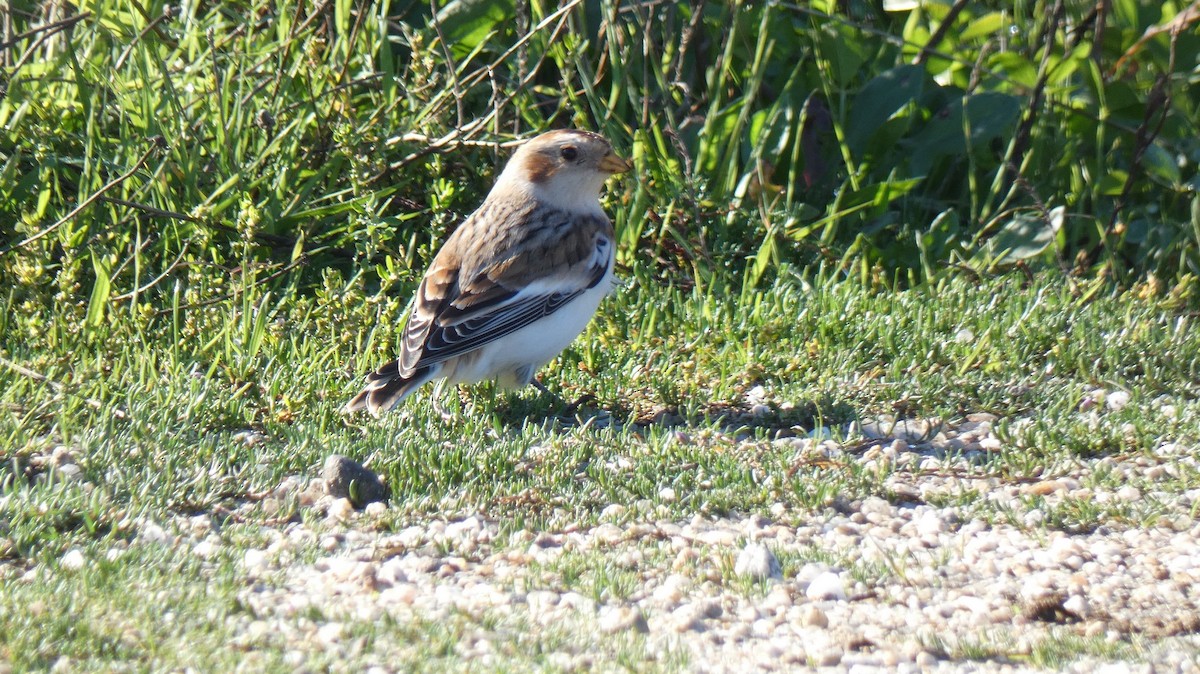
x: 572, y: 191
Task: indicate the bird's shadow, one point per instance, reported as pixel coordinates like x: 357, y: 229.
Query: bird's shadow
x: 517, y: 409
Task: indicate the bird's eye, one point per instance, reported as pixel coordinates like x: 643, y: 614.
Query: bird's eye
x: 569, y: 153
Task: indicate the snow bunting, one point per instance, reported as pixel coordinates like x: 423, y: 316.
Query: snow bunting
x: 517, y: 281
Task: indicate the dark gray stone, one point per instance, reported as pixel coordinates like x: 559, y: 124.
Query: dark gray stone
x: 346, y: 478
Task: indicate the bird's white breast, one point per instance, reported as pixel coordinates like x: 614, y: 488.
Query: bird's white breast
x: 536, y: 344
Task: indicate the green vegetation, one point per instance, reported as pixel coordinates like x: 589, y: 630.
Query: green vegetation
x: 212, y: 216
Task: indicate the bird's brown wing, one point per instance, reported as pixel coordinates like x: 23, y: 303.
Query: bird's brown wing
x: 484, y: 287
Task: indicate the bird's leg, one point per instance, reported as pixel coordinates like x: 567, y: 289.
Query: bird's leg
x: 569, y: 408
x: 492, y: 387
x: 542, y: 387
x: 445, y: 414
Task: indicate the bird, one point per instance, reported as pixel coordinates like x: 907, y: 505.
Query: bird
x: 516, y: 283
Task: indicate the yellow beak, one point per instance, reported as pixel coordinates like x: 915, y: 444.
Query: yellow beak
x: 611, y: 163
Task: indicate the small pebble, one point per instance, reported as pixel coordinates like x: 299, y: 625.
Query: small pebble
x: 814, y: 617
x: 825, y: 587
x: 757, y: 562
x: 621, y: 619
x: 341, y: 510
x: 1116, y: 401
x: 346, y: 478
x: 73, y: 560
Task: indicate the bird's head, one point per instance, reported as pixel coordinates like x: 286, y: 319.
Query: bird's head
x: 566, y: 168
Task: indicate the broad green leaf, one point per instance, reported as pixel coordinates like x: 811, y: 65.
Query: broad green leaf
x: 1161, y: 165
x: 879, y: 194
x: 942, y: 230
x: 982, y: 26
x: 1025, y: 235
x: 1015, y: 67
x: 770, y: 130
x: 881, y: 98
x: 298, y: 248
x: 1112, y: 183
x: 1137, y: 231
x: 767, y: 256
x: 100, y: 293
x: 44, y: 198
x: 958, y: 127
x: 711, y: 145
x: 467, y: 23
x: 916, y: 33
x: 842, y: 47
x: 1063, y: 72
x: 758, y: 122
x: 824, y: 6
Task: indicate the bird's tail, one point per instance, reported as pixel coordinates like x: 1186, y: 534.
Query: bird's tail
x: 386, y: 387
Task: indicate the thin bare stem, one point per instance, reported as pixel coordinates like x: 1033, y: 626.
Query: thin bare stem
x: 157, y: 142
x: 452, y: 68
x: 58, y: 387
x: 49, y: 29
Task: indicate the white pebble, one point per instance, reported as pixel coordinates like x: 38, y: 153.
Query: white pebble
x: 1077, y: 604
x: 541, y: 600
x: 613, y: 511
x: 821, y: 433
x: 757, y: 562
x: 718, y: 537
x: 73, y: 560
x: 330, y: 633
x: 151, y: 532
x: 691, y: 615
x: 672, y: 590
x: 206, y: 548
x: 813, y: 616
x: 829, y: 657
x: 1128, y: 493
x: 911, y: 430
x: 1033, y: 518
x: 688, y: 617
x: 826, y: 586
x: 608, y: 533
x: 578, y: 602
x: 464, y: 529
x: 254, y: 560
x: 810, y: 571
x: 990, y: 444
x: 341, y: 510
x: 1117, y: 400
x: 930, y: 524
x: 621, y: 619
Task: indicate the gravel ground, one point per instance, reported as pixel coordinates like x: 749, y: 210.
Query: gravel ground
x: 866, y: 585
x: 964, y: 584
x: 904, y: 586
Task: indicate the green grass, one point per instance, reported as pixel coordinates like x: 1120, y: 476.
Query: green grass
x: 154, y: 423
x: 1054, y: 651
x: 159, y: 439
